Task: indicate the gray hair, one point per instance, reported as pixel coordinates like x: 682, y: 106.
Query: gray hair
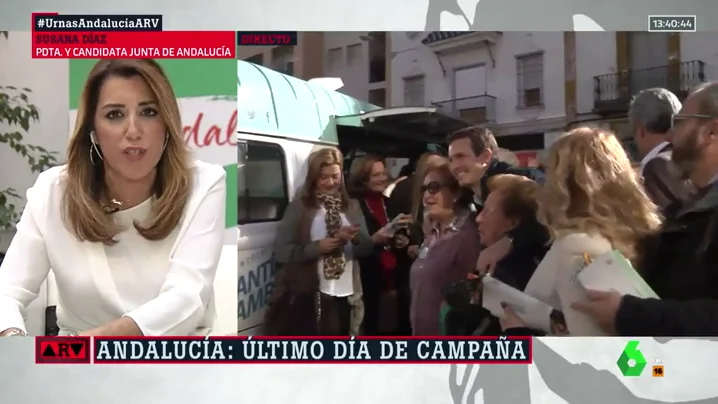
x: 653, y: 109
x: 708, y: 98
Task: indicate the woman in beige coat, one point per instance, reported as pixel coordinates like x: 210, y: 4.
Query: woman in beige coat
x: 317, y: 289
x: 592, y: 203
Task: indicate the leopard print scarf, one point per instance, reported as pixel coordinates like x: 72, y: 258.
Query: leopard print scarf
x: 335, y: 261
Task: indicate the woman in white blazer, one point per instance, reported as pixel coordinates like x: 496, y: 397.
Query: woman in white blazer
x: 592, y: 203
x: 131, y: 227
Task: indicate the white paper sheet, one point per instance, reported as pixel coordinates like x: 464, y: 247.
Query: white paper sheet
x: 533, y: 312
x: 612, y: 271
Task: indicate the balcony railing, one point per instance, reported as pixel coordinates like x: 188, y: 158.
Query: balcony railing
x: 613, y: 92
x: 437, y: 36
x: 476, y: 109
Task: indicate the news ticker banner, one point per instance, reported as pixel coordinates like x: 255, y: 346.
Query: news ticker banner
x: 206, y: 91
x: 381, y: 15
x: 246, y: 350
x: 79, y: 36
x: 562, y: 370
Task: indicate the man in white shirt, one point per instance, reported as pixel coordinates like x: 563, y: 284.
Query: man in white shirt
x: 650, y: 118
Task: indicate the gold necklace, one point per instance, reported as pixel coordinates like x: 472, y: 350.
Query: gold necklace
x: 112, y: 207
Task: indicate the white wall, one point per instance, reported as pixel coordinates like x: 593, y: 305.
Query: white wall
x: 356, y: 76
x: 412, y: 58
x: 596, y: 55
x: 701, y: 46
x: 49, y: 81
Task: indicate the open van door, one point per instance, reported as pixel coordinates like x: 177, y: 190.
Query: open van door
x: 396, y: 132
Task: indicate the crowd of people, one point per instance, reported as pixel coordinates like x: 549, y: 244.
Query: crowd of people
x: 371, y: 255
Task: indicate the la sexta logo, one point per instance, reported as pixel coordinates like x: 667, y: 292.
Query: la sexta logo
x: 62, y: 350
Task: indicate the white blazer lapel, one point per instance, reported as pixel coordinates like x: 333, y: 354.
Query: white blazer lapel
x: 198, y: 194
x: 102, y: 277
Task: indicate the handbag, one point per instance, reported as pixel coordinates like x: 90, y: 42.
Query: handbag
x: 465, y: 312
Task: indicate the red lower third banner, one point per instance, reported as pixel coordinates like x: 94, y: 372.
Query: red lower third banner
x: 244, y: 350
x: 133, y: 45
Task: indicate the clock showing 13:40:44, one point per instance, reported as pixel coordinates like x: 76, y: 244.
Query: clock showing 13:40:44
x: 671, y: 23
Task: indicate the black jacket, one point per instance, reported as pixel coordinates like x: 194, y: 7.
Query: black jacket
x: 400, y: 202
x: 400, y: 199
x: 663, y: 182
x: 370, y: 265
x: 530, y: 244
x: 529, y: 233
x: 681, y: 265
x: 520, y: 263
x: 514, y: 270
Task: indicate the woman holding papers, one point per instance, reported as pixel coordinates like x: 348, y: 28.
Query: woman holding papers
x: 592, y: 203
x: 682, y: 263
x: 449, y: 251
x: 512, y: 200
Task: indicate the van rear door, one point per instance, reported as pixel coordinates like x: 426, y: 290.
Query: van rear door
x: 396, y: 131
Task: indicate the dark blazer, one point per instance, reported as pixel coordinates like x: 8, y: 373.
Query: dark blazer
x: 373, y: 279
x: 371, y: 267
x: 519, y: 265
x: 662, y: 180
x: 680, y: 265
x: 400, y: 202
x: 400, y: 198
x: 529, y: 232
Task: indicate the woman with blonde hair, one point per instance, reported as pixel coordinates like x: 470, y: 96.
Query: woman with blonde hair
x: 131, y: 226
x: 592, y: 203
x: 317, y: 289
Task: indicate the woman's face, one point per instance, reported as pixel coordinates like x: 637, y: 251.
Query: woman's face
x: 129, y: 129
x: 378, y: 179
x: 438, y: 199
x: 492, y: 221
x: 330, y: 179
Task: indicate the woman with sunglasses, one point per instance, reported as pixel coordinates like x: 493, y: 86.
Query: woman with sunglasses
x: 449, y: 251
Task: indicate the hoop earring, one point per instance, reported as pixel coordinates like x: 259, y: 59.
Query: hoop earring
x: 97, y: 151
x: 93, y: 145
x: 92, y: 160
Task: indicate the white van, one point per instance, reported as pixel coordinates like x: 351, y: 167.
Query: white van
x: 281, y: 120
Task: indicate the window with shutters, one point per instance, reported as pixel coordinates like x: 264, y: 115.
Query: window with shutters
x: 336, y: 59
x: 414, y: 91
x: 354, y: 54
x: 529, y: 80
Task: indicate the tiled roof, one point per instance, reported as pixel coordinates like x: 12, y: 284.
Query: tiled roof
x: 436, y: 36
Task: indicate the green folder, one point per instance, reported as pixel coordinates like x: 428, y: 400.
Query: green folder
x: 443, y: 312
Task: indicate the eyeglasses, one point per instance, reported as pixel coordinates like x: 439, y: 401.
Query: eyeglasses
x: 434, y: 187
x: 675, y: 118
